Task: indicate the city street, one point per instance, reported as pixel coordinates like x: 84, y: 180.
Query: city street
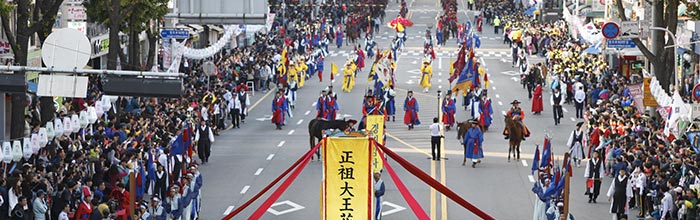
x: 245, y: 160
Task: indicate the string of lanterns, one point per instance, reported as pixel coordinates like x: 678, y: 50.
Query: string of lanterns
x: 199, y: 54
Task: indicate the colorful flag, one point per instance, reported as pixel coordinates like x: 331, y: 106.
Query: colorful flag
x: 546, y: 153
x: 464, y: 82
x: 536, y: 159
x: 334, y: 68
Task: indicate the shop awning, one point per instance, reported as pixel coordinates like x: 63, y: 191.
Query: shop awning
x: 196, y: 27
x: 631, y: 52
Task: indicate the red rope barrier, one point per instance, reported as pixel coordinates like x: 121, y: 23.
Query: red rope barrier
x: 434, y: 183
x: 415, y: 207
x: 264, y: 190
x: 283, y: 187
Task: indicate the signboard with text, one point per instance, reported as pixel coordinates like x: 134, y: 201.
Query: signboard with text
x: 637, y: 93
x: 375, y: 125
x: 348, y: 184
x: 620, y: 44
x: 649, y: 100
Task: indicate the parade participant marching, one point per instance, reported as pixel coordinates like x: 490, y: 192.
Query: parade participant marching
x: 619, y: 195
x: 349, y: 76
x: 321, y: 105
x: 339, y: 38
x: 479, y: 23
x: 390, y: 103
x: 279, y: 107
x: 557, y: 100
x: 369, y: 45
x: 426, y: 74
x: 518, y: 115
x: 448, y: 110
x: 473, y: 140
x: 485, y: 112
x: 331, y: 107
x: 360, y: 61
x: 410, y: 106
x: 319, y: 66
x: 575, y: 143
x: 537, y: 105
x: 593, y: 175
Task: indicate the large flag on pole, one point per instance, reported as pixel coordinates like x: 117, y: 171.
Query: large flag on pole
x: 536, y: 159
x: 546, y: 153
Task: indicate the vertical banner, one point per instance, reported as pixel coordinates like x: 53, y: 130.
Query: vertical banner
x: 375, y: 123
x: 649, y: 100
x: 638, y: 96
x: 348, y: 179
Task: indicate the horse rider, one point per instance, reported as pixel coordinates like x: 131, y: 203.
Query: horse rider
x: 518, y: 115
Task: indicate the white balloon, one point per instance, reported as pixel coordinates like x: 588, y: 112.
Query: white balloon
x: 16, y: 151
x: 43, y: 140
x: 83, y: 118
x: 26, y: 148
x: 50, y: 133
x: 92, y: 114
x: 67, y: 126
x: 58, y: 127
x: 6, y: 152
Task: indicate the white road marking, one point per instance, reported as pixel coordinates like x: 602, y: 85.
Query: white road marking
x: 314, y: 104
x: 269, y: 157
x: 228, y: 210
x: 440, y: 63
x: 440, y: 74
x: 300, y: 121
x: 491, y: 81
x: 494, y: 88
x: 439, y: 80
x: 532, y: 179
x: 524, y: 163
x: 290, y: 132
x: 503, y: 112
x: 564, y: 109
x: 440, y: 87
x: 257, y: 173
x: 307, y: 112
x: 498, y: 96
x: 500, y: 103
x: 573, y: 119
x: 280, y: 144
x: 245, y: 189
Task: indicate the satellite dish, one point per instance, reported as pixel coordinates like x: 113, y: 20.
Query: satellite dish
x: 66, y: 48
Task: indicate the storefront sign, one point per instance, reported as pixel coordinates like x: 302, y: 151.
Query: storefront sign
x: 621, y: 44
x: 76, y: 12
x: 78, y: 25
x: 649, y: 100
x: 348, y: 184
x: 100, y: 47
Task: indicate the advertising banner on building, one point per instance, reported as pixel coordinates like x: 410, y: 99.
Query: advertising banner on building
x: 348, y: 184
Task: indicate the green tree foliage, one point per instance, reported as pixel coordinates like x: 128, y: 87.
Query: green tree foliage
x: 132, y: 17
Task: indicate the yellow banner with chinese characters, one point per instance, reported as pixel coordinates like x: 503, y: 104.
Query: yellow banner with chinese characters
x: 348, y: 182
x: 375, y: 125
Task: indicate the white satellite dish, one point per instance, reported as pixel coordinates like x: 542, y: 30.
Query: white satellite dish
x: 66, y: 48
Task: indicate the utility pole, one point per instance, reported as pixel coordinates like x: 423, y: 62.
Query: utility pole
x: 132, y: 193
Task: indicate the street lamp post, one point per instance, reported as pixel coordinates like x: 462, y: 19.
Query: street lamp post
x: 675, y: 55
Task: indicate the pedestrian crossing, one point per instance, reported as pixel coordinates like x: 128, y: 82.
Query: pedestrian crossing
x: 485, y: 54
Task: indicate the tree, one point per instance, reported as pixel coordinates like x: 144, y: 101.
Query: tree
x: 660, y: 53
x: 131, y: 17
x: 33, y: 17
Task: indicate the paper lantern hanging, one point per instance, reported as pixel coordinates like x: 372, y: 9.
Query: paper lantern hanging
x: 35, y: 143
x: 83, y: 118
x: 6, y: 152
x: 26, y: 148
x: 50, y: 133
x: 75, y: 123
x: 58, y: 127
x: 91, y: 115
x: 16, y: 151
x: 98, y: 109
x: 42, y: 139
x: 67, y: 126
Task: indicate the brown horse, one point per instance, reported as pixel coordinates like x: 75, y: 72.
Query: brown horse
x: 317, y: 126
x: 515, y: 136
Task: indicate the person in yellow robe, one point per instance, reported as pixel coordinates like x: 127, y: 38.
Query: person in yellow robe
x: 301, y: 68
x: 426, y: 74
x: 292, y: 73
x: 349, y: 76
